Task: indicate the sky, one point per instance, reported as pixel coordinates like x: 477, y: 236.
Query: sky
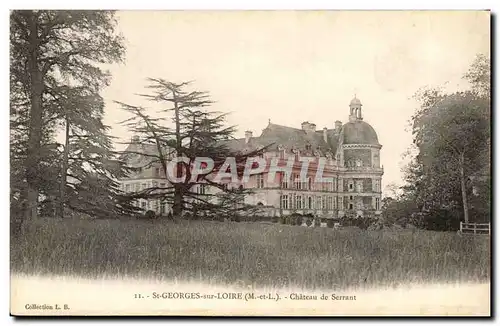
x: 291, y: 66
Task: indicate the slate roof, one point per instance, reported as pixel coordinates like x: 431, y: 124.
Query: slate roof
x: 359, y: 132
x: 274, y: 135
x: 290, y: 138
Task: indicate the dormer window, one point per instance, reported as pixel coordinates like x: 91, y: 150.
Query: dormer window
x: 281, y: 151
x: 308, y: 147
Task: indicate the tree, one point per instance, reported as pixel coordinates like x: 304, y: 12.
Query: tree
x: 450, y: 132
x: 479, y: 76
x: 98, y: 193
x: 196, y: 132
x: 55, y: 55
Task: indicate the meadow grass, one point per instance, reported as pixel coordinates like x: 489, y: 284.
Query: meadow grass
x: 272, y: 255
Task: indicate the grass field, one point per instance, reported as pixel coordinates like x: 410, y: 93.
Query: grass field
x: 246, y: 254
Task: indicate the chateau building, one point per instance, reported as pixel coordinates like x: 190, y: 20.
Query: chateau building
x: 352, y: 169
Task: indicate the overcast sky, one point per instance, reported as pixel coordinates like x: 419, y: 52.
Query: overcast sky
x: 291, y: 67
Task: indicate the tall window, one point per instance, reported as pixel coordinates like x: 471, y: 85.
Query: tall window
x: 260, y: 181
x: 305, y: 183
x: 318, y: 202
x: 127, y: 187
x: 202, y: 188
x: 323, y: 202
x: 284, y: 201
x: 309, y: 202
x: 377, y: 203
x: 284, y: 180
x: 329, y: 203
x: 163, y: 208
x: 298, y: 184
x: 157, y: 172
x: 298, y: 202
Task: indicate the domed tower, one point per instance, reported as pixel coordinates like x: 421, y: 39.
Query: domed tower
x: 359, y: 158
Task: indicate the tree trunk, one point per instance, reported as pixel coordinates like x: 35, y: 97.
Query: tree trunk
x: 464, y: 189
x: 64, y: 173
x: 35, y: 121
x: 178, y: 206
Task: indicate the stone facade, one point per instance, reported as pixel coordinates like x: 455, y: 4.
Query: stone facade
x: 351, y: 152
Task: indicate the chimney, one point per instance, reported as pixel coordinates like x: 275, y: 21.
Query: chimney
x: 338, y: 126
x: 325, y: 135
x: 248, y: 135
x: 308, y: 127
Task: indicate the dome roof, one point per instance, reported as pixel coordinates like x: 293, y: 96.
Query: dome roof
x: 359, y: 132
x: 355, y: 101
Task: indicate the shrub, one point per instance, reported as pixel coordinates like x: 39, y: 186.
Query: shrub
x: 309, y: 221
x: 317, y: 222
x: 298, y: 220
x: 149, y: 215
x: 330, y: 223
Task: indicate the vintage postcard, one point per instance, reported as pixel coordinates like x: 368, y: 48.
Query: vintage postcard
x: 250, y: 163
